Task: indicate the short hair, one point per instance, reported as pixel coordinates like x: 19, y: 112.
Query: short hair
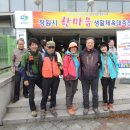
x: 33, y: 40
x: 88, y: 38
x: 43, y: 42
x: 104, y: 45
x: 20, y: 39
x: 110, y: 40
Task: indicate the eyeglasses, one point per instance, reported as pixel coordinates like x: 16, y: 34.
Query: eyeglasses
x: 51, y: 47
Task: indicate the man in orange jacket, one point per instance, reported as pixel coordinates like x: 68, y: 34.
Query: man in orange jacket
x: 50, y: 80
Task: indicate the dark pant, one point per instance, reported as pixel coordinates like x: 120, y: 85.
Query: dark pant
x: 108, y: 83
x: 32, y: 83
x: 71, y: 87
x: 86, y: 83
x: 17, y: 86
x: 49, y: 85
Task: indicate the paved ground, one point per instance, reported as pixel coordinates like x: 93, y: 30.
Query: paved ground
x: 94, y: 124
x: 115, y: 123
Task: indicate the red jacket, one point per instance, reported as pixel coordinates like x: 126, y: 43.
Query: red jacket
x: 69, y: 69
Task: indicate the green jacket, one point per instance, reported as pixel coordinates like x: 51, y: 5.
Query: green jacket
x: 32, y: 66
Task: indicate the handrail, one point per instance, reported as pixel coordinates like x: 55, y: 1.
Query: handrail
x: 5, y: 68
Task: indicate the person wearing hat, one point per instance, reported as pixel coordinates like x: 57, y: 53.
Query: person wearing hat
x: 50, y: 78
x: 108, y: 74
x: 71, y: 73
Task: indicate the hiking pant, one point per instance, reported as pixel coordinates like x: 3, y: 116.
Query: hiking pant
x: 32, y: 84
x: 71, y: 87
x: 108, y: 89
x: 86, y: 84
x: 17, y: 86
x: 49, y: 85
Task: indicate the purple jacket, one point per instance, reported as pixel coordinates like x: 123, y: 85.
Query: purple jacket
x: 90, y: 61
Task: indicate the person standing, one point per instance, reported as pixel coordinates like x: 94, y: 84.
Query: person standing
x: 43, y: 48
x: 50, y: 78
x: 112, y: 48
x: 90, y: 62
x: 16, y: 62
x: 71, y: 73
x: 108, y: 74
x: 31, y: 63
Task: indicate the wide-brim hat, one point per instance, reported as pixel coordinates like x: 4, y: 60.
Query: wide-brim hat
x: 73, y: 44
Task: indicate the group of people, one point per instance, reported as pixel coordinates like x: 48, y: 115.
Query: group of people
x: 42, y: 66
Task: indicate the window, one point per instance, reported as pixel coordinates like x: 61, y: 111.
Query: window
x: 67, y: 6
x: 126, y: 7
x: 48, y: 5
x: 16, y: 5
x: 100, y: 6
x: 115, y: 6
x: 4, y: 5
x: 31, y: 6
x: 81, y: 6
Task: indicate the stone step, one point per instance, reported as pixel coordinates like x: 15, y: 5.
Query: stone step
x: 23, y: 105
x: 18, y: 118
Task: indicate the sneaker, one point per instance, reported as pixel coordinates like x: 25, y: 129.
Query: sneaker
x: 85, y: 111
x: 96, y: 111
x: 74, y: 108
x: 105, y: 107
x: 111, y: 107
x: 70, y: 111
x: 43, y: 113
x: 53, y: 111
x: 34, y: 113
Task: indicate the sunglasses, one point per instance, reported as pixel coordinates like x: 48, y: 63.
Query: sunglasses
x: 51, y: 47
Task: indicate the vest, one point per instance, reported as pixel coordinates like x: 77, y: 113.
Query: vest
x: 50, y: 68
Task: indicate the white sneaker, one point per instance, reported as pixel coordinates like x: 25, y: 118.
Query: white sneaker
x: 34, y: 113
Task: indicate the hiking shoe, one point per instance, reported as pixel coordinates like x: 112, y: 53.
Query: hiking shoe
x: 96, y: 111
x: 74, y: 108
x: 43, y: 113
x: 105, y: 107
x: 85, y: 111
x: 110, y: 106
x: 34, y: 113
x: 70, y: 111
x: 53, y: 111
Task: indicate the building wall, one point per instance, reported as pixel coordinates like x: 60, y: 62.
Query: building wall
x: 65, y: 5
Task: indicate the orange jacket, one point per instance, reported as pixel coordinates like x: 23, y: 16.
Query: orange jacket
x: 50, y: 68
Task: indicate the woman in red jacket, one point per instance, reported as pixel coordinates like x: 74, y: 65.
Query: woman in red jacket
x: 71, y: 66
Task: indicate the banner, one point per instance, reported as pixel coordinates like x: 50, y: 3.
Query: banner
x: 71, y: 20
x: 81, y: 20
x: 123, y: 49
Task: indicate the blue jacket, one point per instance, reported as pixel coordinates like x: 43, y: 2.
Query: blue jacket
x: 112, y: 65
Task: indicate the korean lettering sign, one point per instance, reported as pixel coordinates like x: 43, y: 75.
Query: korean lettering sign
x: 123, y: 48
x: 80, y: 20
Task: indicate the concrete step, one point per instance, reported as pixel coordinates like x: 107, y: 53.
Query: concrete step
x: 18, y: 118
x: 23, y: 105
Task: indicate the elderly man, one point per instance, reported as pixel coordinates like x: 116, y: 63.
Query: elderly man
x: 16, y: 61
x: 90, y: 62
